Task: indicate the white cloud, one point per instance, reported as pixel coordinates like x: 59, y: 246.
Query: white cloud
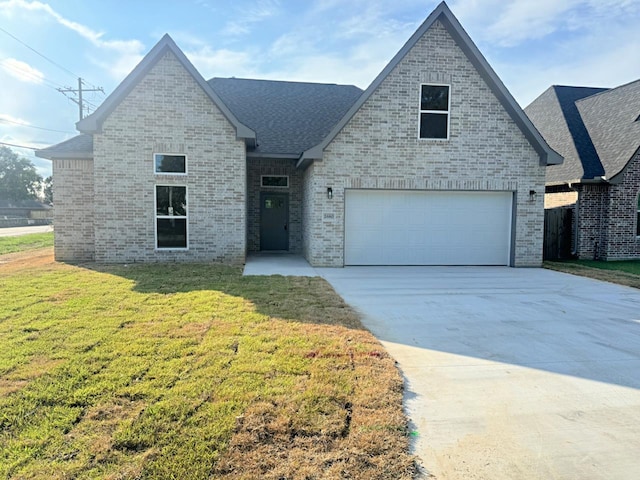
x: 509, y: 23
x: 222, y: 63
x: 250, y: 16
x: 12, y: 119
x: 129, y: 52
x: 22, y: 71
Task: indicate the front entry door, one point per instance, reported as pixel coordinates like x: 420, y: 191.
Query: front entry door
x: 274, y: 221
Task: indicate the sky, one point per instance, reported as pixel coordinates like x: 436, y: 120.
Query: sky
x: 46, y: 45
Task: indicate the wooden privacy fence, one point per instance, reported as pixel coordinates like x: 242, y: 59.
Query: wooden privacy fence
x: 558, y: 233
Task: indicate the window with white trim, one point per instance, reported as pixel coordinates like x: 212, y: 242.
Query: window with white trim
x: 171, y: 217
x: 278, y: 181
x: 169, y: 164
x: 435, y: 103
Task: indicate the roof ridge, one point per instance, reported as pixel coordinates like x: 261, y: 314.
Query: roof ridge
x: 609, y: 90
x: 284, y: 81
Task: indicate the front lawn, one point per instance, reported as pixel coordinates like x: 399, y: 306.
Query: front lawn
x: 191, y: 372
x: 25, y: 242
x: 622, y: 272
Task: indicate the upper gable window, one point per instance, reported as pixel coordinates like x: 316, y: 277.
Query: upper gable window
x: 434, y: 111
x: 170, y: 164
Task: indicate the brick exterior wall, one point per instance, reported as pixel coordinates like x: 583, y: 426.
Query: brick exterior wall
x: 255, y: 169
x: 608, y: 215
x: 168, y: 112
x: 560, y: 199
x: 73, y: 210
x: 379, y: 148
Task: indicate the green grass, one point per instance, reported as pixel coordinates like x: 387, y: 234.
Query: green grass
x: 190, y: 372
x: 25, y: 242
x: 621, y: 272
x: 627, y: 266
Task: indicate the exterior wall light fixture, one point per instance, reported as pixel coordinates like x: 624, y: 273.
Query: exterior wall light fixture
x: 329, y: 193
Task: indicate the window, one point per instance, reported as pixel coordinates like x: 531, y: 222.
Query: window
x: 638, y: 218
x: 171, y: 217
x: 434, y: 111
x: 170, y: 164
x: 281, y: 181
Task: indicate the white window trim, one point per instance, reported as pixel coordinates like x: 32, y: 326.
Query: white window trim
x: 156, y: 217
x: 186, y: 166
x: 273, y: 186
x: 440, y: 112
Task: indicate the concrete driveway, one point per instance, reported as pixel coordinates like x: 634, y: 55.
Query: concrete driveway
x: 511, y: 373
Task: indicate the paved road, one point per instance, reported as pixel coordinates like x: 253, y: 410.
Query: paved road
x: 512, y: 373
x: 17, y: 231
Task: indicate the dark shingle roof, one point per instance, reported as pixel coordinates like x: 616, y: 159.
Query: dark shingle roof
x: 80, y: 146
x: 610, y: 118
x: 288, y: 117
x: 556, y: 116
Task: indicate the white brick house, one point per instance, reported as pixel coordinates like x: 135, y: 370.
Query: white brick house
x: 435, y: 163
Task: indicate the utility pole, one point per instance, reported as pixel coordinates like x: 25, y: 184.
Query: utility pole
x: 79, y: 92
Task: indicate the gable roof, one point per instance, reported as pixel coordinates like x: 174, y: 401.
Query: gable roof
x: 80, y: 146
x: 288, y: 117
x: 443, y: 14
x: 556, y: 116
x: 595, y: 129
x: 611, y: 120
x: 93, y: 123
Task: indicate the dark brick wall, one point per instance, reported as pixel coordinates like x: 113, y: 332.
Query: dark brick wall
x: 255, y: 169
x: 607, y: 215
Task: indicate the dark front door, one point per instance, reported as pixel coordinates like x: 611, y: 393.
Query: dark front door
x: 274, y: 221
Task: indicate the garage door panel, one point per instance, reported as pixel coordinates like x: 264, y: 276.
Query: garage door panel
x: 390, y: 227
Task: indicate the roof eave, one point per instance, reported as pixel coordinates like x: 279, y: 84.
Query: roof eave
x: 63, y: 156
x: 93, y: 123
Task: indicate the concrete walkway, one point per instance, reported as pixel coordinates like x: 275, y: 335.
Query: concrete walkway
x: 511, y: 373
x: 18, y: 231
x: 278, y: 264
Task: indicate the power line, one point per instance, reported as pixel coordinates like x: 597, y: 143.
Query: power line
x: 31, y: 75
x: 47, y: 58
x: 18, y: 146
x: 38, y: 53
x: 4, y: 120
x: 79, y: 91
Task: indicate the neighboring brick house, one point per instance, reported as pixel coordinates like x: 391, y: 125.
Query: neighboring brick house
x: 597, y: 131
x: 435, y: 163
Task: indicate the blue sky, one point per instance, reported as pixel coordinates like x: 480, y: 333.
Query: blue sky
x: 531, y: 44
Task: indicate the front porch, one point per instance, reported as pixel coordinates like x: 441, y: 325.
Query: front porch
x: 274, y: 205
x: 286, y: 264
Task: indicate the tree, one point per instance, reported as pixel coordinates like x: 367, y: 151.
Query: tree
x: 47, y: 189
x: 19, y: 179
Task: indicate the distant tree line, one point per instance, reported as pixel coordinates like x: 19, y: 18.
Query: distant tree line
x: 19, y: 179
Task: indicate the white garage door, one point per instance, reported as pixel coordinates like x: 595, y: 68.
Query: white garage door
x: 402, y: 227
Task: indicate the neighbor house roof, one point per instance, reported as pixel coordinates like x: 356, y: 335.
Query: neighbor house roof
x: 612, y: 119
x: 288, y: 117
x: 93, y: 123
x: 80, y: 146
x: 556, y: 116
x: 443, y: 14
x: 596, y: 129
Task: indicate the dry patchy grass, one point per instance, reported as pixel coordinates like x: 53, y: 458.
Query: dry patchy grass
x: 191, y: 371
